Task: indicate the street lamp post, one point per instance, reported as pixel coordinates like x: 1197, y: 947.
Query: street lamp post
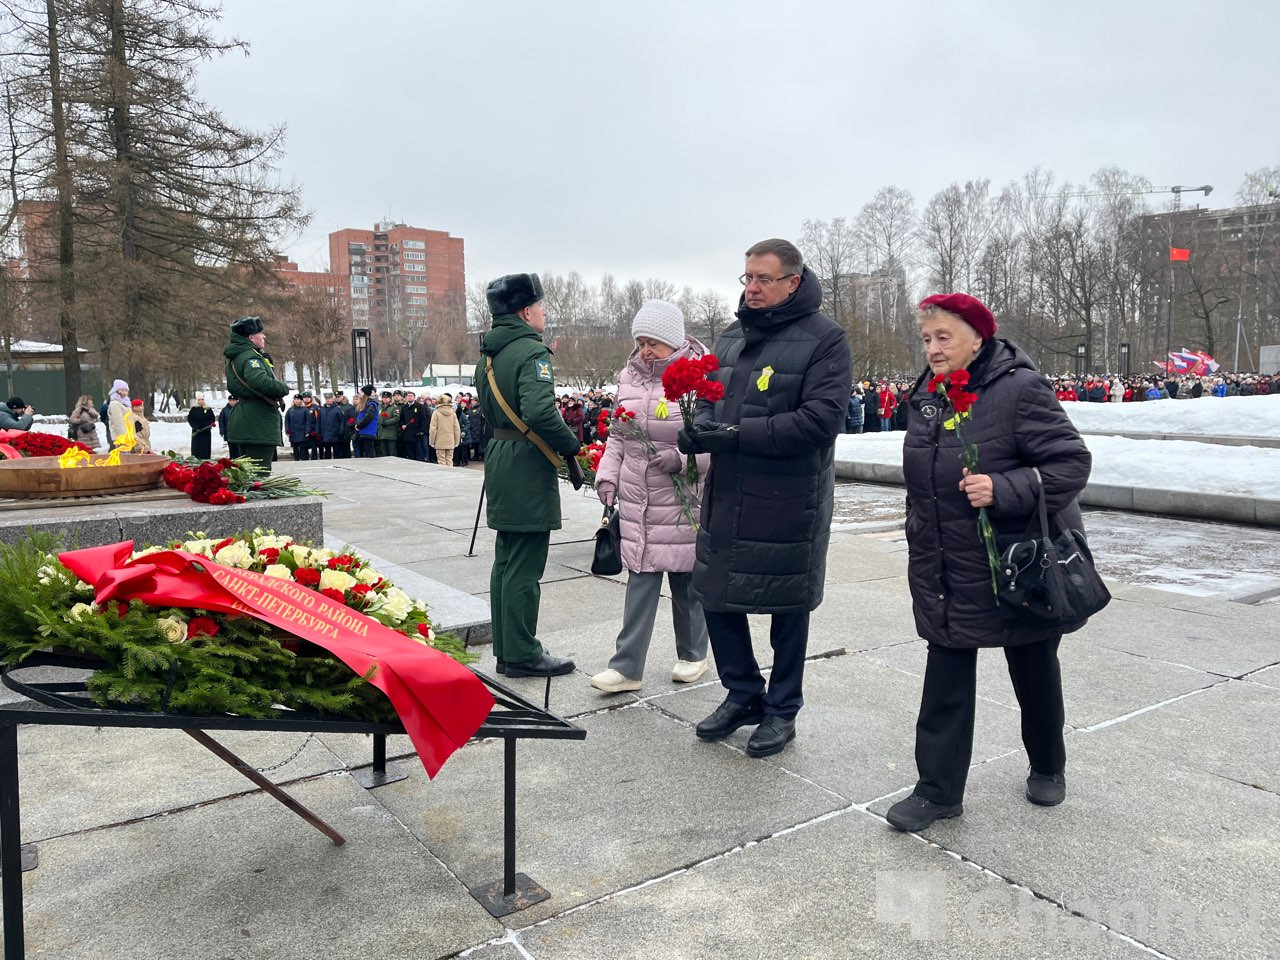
x: 1124, y: 358
x: 1080, y: 355
x: 361, y: 356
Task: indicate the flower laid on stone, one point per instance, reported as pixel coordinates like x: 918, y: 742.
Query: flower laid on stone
x: 27, y: 443
x: 226, y: 481
x: 207, y: 662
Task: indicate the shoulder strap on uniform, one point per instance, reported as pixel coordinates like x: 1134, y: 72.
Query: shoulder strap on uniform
x: 556, y: 460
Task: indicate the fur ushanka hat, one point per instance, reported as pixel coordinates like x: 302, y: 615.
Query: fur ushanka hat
x: 514, y: 292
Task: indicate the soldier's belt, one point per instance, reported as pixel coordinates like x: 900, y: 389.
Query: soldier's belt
x: 504, y: 434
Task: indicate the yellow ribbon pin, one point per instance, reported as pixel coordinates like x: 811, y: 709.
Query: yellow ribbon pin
x: 762, y: 383
x: 951, y: 424
x: 660, y: 411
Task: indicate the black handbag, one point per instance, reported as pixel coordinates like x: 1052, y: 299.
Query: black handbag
x: 607, y: 561
x: 1051, y: 579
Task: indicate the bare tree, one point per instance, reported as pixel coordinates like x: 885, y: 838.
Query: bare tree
x: 830, y: 251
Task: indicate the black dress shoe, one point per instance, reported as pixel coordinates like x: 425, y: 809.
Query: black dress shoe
x: 728, y: 717
x: 916, y: 813
x: 544, y: 665
x: 1046, y: 790
x: 502, y: 666
x: 773, y: 734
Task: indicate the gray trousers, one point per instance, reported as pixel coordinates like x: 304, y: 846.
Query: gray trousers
x: 638, y: 613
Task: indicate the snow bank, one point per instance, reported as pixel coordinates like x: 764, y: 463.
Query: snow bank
x: 1153, y: 464
x: 1207, y: 416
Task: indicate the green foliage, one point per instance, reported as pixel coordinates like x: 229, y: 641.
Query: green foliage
x: 247, y: 668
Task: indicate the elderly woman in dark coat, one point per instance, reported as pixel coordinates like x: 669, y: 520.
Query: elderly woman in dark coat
x: 1018, y: 425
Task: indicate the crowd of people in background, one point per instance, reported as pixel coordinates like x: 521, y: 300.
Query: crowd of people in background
x: 1116, y: 389
x: 391, y: 423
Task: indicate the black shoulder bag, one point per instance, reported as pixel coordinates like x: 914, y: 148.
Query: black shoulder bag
x: 1052, y: 579
x: 607, y: 561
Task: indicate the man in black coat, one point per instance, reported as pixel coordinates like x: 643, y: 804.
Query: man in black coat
x: 413, y: 421
x: 766, y: 511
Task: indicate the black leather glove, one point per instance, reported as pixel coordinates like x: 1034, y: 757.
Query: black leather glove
x: 685, y: 442
x: 715, y: 437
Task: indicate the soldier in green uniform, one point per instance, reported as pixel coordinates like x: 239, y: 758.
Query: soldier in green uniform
x: 254, y: 424
x: 521, y: 483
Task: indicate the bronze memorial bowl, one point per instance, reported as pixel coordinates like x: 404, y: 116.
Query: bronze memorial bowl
x: 39, y: 477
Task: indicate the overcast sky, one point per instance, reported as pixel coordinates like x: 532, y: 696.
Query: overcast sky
x: 660, y: 138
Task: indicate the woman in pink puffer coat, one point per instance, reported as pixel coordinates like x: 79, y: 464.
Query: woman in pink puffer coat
x: 657, y: 536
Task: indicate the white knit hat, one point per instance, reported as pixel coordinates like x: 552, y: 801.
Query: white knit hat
x: 661, y: 321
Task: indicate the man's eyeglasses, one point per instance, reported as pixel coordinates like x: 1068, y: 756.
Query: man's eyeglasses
x: 746, y: 279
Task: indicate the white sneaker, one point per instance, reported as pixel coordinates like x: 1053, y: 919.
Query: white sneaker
x: 611, y: 681
x: 687, y: 671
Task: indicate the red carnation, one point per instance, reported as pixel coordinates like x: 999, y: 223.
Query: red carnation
x: 425, y: 630
x: 342, y: 560
x: 360, y: 589
x: 334, y: 594
x: 223, y: 543
x: 269, y: 554
x: 959, y: 378
x: 306, y: 576
x: 202, y: 627
x: 936, y: 382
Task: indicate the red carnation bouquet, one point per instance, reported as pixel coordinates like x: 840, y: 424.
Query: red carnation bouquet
x: 685, y: 381
x: 626, y: 428
x: 227, y: 481
x: 950, y: 389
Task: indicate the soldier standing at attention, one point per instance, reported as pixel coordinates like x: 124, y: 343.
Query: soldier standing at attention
x: 255, y: 421
x: 516, y: 390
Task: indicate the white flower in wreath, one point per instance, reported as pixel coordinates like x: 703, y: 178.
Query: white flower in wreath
x: 395, y: 603
x: 278, y: 570
x: 300, y: 553
x: 336, y: 580
x: 202, y: 547
x: 322, y: 554
x: 172, y: 629
x: 76, y: 612
x: 368, y: 575
x: 149, y: 550
x: 235, y: 554
x: 82, y: 587
x: 45, y: 575
x: 270, y: 543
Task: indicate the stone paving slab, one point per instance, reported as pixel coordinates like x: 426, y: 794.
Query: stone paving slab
x: 856, y: 733
x: 1203, y: 641
x: 638, y: 798
x: 1098, y: 683
x: 78, y: 778
x: 1137, y: 835
x: 245, y: 878
x: 1233, y: 726
x: 1269, y: 677
x: 844, y: 887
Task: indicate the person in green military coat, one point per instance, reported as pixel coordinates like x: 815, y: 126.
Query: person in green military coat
x: 255, y: 421
x: 521, y: 483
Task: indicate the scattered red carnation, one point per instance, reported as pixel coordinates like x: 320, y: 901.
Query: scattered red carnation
x: 202, y: 627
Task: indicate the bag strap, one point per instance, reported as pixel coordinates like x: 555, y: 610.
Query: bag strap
x: 277, y: 403
x: 556, y: 460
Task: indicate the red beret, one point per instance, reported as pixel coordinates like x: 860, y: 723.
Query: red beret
x: 137, y: 403
x: 969, y: 309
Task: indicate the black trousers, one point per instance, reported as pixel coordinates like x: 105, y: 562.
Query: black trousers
x: 944, y: 731
x: 739, y: 671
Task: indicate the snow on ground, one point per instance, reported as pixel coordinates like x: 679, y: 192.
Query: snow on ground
x: 1208, y: 416
x: 1153, y: 464
x: 164, y: 436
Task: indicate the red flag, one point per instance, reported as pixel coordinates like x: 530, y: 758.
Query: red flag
x: 1179, y: 253
x: 440, y: 702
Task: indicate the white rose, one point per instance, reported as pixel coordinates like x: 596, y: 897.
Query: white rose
x: 368, y: 575
x: 337, y: 580
x: 395, y: 603
x: 75, y: 613
x: 82, y: 587
x: 148, y: 550
x: 300, y: 553
x: 270, y: 542
x: 278, y: 570
x: 322, y: 554
x: 172, y: 629
x: 235, y: 554
x: 202, y: 547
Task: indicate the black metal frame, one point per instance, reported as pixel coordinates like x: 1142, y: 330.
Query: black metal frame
x: 67, y: 703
